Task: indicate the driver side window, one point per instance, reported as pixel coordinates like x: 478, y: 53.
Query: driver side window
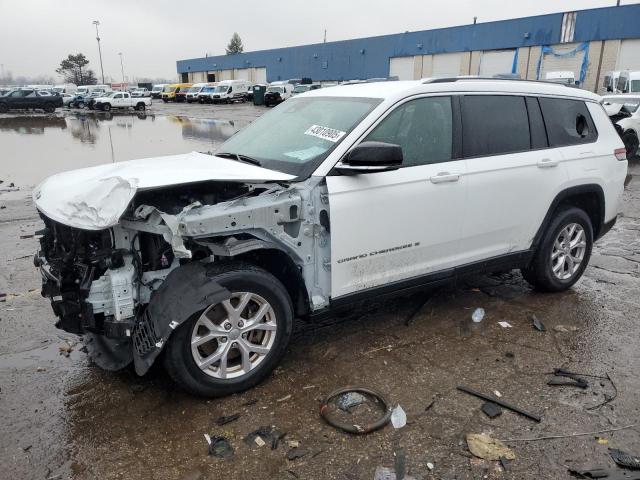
x: 422, y: 127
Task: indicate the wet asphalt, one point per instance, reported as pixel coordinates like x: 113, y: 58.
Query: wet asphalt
x: 64, y: 418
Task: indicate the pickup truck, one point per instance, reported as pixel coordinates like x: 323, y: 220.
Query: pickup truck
x: 28, y: 98
x: 121, y: 100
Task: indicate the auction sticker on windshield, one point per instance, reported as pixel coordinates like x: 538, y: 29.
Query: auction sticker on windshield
x: 325, y: 133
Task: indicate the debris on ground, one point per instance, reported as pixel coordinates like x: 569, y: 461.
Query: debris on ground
x: 264, y: 435
x: 504, y: 324
x: 348, y: 400
x: 331, y: 413
x: 24, y: 237
x: 509, y: 354
x: 249, y: 403
x: 293, y: 443
x: 400, y: 462
x: 537, y: 324
x: 504, y: 463
x: 605, y: 473
x: 284, y: 399
x: 477, y: 315
x: 569, y: 435
x: 497, y: 393
x: 625, y: 459
x: 430, y: 466
x: 386, y: 473
x: 565, y: 328
x: 223, y: 420
x: 398, y: 417
x: 576, y: 381
x: 296, y: 452
x: 219, y: 446
x: 65, y: 349
x: 491, y: 409
x: 483, y: 446
x: 602, y: 441
x: 497, y: 401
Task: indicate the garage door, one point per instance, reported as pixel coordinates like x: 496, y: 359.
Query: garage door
x: 496, y: 62
x: 446, y: 65
x: 224, y: 75
x: 241, y: 74
x: 261, y: 75
x: 568, y: 63
x: 401, y: 67
x: 629, y: 56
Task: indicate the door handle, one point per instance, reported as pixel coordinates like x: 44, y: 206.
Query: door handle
x: 444, y: 177
x: 547, y: 163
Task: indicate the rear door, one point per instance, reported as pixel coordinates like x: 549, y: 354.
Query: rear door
x: 393, y: 226
x: 512, y: 174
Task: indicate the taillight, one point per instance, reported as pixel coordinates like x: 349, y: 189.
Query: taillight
x: 620, y: 153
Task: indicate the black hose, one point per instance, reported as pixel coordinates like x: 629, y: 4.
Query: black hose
x: 350, y: 428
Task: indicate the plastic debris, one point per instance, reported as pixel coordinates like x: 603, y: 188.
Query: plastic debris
x: 386, y: 473
x: 398, y: 417
x: 430, y: 466
x: 606, y: 473
x: 284, y: 399
x: 504, y: 324
x: 625, y: 459
x: 497, y: 393
x: 223, y: 420
x: 497, y: 401
x: 576, y: 380
x: 219, y: 446
x: 504, y: 463
x: 259, y: 441
x: 348, y: 400
x: 602, y: 441
x: 565, y: 328
x: 296, y: 452
x: 483, y: 446
x: 477, y: 315
x: 537, y: 324
x: 264, y: 435
x: 491, y: 409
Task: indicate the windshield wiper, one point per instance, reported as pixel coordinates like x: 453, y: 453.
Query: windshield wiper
x: 239, y: 157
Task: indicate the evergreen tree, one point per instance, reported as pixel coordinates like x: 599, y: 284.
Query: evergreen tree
x: 235, y: 45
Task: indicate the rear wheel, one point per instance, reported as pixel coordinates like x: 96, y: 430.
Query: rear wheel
x: 80, y: 104
x: 233, y: 345
x: 106, y: 107
x: 140, y: 107
x: 563, y: 253
x: 3, y: 108
x: 630, y: 140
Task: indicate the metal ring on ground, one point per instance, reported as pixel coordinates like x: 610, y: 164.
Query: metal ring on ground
x: 350, y: 428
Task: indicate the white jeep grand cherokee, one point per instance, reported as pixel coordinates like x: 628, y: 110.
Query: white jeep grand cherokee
x: 337, y: 195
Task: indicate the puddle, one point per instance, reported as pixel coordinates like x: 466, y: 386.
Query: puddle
x: 35, y: 147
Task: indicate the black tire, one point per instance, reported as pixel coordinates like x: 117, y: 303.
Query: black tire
x: 165, y: 100
x: 80, y: 104
x: 237, y: 277
x: 630, y: 140
x: 49, y: 108
x: 539, y: 273
x: 140, y: 107
x: 4, y: 108
x: 106, y: 107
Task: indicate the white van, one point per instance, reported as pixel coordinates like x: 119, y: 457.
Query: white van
x: 229, y: 91
x: 65, y: 88
x: 567, y: 78
x: 278, y: 92
x: 610, y: 84
x: 192, y: 93
x: 629, y: 82
x: 87, y: 89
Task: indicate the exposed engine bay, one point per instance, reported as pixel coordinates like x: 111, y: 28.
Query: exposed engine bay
x: 102, y: 282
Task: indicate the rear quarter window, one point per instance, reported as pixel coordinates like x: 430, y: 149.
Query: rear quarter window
x: 568, y: 122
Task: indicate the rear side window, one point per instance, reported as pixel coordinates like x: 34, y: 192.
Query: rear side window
x: 494, y: 124
x: 568, y: 122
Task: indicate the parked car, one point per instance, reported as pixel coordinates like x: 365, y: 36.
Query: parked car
x: 121, y: 100
x: 301, y: 88
x: 277, y: 92
x: 194, y: 90
x: 159, y: 256
x: 205, y: 94
x: 156, y: 91
x: 169, y: 92
x: 228, y: 91
x: 629, y: 82
x: 181, y: 92
x: 624, y: 112
x: 69, y: 88
x: 140, y: 92
x: 24, y: 98
x: 67, y: 98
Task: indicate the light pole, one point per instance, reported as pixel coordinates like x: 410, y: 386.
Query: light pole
x: 96, y: 23
x: 121, y: 69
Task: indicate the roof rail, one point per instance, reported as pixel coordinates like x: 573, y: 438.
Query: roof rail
x: 493, y: 79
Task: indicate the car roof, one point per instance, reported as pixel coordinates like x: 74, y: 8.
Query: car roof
x: 394, y: 90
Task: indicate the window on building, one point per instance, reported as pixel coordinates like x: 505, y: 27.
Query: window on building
x: 568, y: 122
x: 422, y: 127
x: 568, y: 27
x: 494, y: 125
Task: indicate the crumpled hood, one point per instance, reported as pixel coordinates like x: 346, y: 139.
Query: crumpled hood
x: 94, y: 198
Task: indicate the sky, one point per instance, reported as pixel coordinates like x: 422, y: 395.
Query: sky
x: 151, y: 35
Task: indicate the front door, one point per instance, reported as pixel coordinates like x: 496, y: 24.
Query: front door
x: 398, y: 225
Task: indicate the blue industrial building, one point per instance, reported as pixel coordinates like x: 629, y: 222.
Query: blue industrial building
x: 373, y: 56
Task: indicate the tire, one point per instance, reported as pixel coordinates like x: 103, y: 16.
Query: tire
x: 180, y: 361
x: 80, y: 105
x: 4, y: 108
x: 49, y: 108
x: 106, y: 107
x: 540, y: 272
x: 630, y: 140
x: 140, y: 107
x: 165, y: 100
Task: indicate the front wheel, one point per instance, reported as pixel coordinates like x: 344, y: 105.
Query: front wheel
x: 106, y: 107
x: 81, y: 105
x: 233, y: 345
x: 563, y: 253
x: 49, y: 108
x: 140, y: 107
x: 4, y: 108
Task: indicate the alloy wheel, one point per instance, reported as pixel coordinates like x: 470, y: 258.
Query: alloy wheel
x: 568, y: 251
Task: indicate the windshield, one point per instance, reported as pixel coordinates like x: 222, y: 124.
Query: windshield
x: 297, y: 136
x: 631, y: 104
x: 635, y: 86
x: 301, y: 88
x: 157, y: 89
x: 275, y: 89
x: 195, y: 89
x: 208, y: 89
x: 169, y: 89
x: 221, y: 89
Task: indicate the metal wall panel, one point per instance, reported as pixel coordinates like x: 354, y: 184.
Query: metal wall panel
x: 629, y: 55
x: 401, y: 67
x: 446, y: 65
x: 493, y: 63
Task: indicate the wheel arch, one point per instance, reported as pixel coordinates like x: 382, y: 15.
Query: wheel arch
x: 588, y: 197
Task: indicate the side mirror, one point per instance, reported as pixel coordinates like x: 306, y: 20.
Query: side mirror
x: 371, y: 157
